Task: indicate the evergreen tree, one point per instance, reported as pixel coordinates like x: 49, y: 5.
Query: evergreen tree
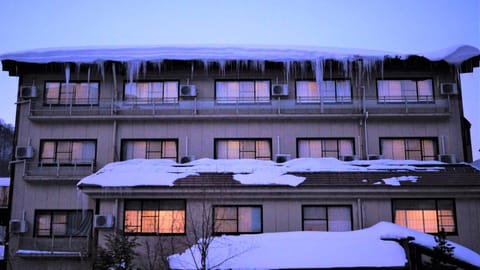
x: 118, y: 253
x: 442, y: 253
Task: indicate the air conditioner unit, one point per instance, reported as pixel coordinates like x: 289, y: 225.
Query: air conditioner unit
x: 187, y: 159
x: 375, y: 157
x: 24, y: 152
x: 280, y: 158
x: 103, y: 221
x: 448, y: 158
x: 188, y: 90
x: 279, y: 90
x: 448, y: 89
x: 28, y: 91
x: 18, y: 226
x: 348, y: 158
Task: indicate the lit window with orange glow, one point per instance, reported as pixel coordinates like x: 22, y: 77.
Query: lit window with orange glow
x: 428, y: 216
x: 155, y: 217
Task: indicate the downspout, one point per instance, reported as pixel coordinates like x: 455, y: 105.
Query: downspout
x: 365, y: 117
x: 360, y: 213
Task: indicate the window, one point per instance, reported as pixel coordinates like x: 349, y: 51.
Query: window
x: 325, y: 147
x: 254, y: 91
x: 409, y: 148
x: 428, y: 216
x: 327, y: 218
x: 237, y: 219
x: 152, y: 92
x: 155, y: 216
x: 63, y: 223
x: 75, y: 93
x: 243, y: 149
x: 405, y: 90
x: 67, y: 152
x: 330, y: 91
x: 149, y: 149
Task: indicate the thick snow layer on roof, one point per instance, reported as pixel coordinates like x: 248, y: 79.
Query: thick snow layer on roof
x: 216, y: 53
x: 161, y: 172
x: 395, y: 181
x: 285, y: 250
x: 4, y: 181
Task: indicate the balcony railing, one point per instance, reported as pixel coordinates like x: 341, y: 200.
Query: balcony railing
x: 74, y: 170
x: 54, y: 246
x: 242, y: 106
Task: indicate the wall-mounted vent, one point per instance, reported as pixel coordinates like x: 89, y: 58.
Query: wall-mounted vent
x: 187, y: 159
x: 24, y: 152
x: 279, y: 90
x: 280, y: 158
x: 448, y: 158
x: 348, y: 158
x: 103, y: 221
x: 448, y: 89
x: 375, y: 157
x: 18, y: 226
x: 28, y: 92
x: 188, y: 90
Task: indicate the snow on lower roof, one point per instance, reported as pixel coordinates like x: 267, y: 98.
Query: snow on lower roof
x: 456, y: 54
x: 287, y: 250
x: 162, y: 172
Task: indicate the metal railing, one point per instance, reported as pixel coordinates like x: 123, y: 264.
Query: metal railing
x: 236, y: 106
x: 70, y: 169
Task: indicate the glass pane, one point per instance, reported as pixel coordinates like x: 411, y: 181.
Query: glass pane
x: 52, y: 92
x: 409, y: 90
x: 48, y: 152
x: 262, y: 91
x: 425, y: 90
x: 249, y: 219
x: 170, y: 150
x: 170, y: 92
x: 315, y: 225
x: 328, y: 91
x: 339, y: 219
x: 314, y: 212
x: 225, y: 213
x: 263, y: 150
x: 225, y: 226
x: 307, y: 92
x: 43, y: 224
x: 246, y: 91
x: 132, y: 220
x: 346, y: 147
x: 344, y: 93
x: 172, y: 221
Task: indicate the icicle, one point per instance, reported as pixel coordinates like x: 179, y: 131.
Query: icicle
x: 77, y: 70
x: 222, y: 64
x: 133, y: 68
x: 67, y: 74
x: 114, y: 74
x: 88, y: 75
x: 101, y: 69
x: 205, y: 65
x: 286, y: 66
x: 192, y: 71
x: 318, y: 67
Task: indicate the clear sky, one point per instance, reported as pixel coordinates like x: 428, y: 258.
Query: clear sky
x: 406, y: 26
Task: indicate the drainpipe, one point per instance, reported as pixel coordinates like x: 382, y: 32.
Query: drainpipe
x: 365, y: 117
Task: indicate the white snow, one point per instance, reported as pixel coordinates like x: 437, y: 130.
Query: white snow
x: 160, y: 172
x: 395, y: 181
x: 4, y: 181
x: 217, y: 53
x: 284, y: 250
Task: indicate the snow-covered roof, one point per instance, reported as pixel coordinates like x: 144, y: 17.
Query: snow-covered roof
x: 294, y: 250
x: 452, y: 55
x: 162, y: 172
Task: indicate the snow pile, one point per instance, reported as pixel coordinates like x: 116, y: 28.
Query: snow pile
x: 4, y: 181
x: 289, y: 250
x: 216, y: 53
x: 395, y: 181
x: 160, y: 172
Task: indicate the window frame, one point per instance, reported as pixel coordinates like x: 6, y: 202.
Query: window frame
x: 58, y: 99
x: 237, y: 232
x: 407, y: 151
x: 327, y: 206
x: 147, y: 141
x: 52, y: 212
x: 65, y: 162
x: 151, y: 100
x: 322, y: 140
x: 325, y: 99
x: 238, y: 99
x: 240, y: 140
x: 404, y: 98
x: 436, y: 201
x: 159, y: 204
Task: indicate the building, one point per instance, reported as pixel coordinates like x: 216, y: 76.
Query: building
x: 343, y: 138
